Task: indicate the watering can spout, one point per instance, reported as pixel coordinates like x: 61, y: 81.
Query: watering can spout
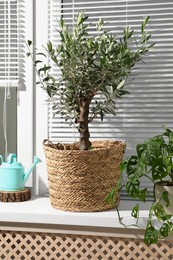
x: 26, y: 176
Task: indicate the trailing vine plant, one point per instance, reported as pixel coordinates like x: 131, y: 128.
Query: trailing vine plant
x: 153, y: 160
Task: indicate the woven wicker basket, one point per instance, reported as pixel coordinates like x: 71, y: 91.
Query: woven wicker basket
x: 80, y: 180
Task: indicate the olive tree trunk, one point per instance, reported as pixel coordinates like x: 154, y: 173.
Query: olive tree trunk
x: 83, y: 123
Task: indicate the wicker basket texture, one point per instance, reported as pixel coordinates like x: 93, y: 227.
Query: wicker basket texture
x: 79, y: 180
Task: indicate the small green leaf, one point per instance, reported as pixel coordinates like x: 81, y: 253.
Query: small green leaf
x: 46, y: 79
x: 146, y: 20
x: 144, y: 23
x: 126, y: 32
x: 101, y: 114
x: 140, y: 148
x: 123, y: 165
x: 130, y: 34
x: 40, y: 53
x: 111, y: 197
x: 61, y: 23
x: 29, y: 42
x: 164, y: 230
x: 121, y: 84
x: 165, y: 198
x: 100, y: 24
x: 160, y: 212
x: 49, y: 46
x: 171, y: 137
x: 37, y: 61
x: 49, y: 91
x: 150, y: 46
x: 151, y: 235
x: 81, y: 18
x: 45, y: 68
x: 170, y: 226
x: 143, y: 194
x: 135, y: 211
x: 132, y: 188
x: 148, y: 37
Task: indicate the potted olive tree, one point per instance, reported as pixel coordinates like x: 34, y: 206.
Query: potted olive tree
x: 153, y: 161
x: 93, y: 72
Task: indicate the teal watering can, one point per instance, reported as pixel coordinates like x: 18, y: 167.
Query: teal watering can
x: 12, y: 173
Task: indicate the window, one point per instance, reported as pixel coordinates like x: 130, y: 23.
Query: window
x: 11, y: 32
x: 16, y: 75
x: 149, y: 106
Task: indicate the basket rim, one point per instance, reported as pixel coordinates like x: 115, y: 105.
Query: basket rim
x: 54, y: 146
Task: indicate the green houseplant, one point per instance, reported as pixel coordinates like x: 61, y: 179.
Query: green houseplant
x: 153, y: 160
x: 94, y: 70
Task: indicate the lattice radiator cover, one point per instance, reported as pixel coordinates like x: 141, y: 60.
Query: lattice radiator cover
x: 48, y: 246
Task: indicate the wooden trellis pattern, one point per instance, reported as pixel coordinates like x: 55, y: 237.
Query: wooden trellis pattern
x: 48, y: 246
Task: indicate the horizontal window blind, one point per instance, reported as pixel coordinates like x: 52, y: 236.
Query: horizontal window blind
x: 11, y: 26
x: 149, y: 106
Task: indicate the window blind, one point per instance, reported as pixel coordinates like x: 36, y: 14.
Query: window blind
x: 141, y: 114
x: 11, y: 22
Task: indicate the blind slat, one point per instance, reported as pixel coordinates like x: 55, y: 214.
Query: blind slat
x: 11, y: 22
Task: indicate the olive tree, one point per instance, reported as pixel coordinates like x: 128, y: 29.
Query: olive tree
x: 90, y: 66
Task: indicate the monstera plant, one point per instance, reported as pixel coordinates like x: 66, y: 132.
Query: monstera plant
x: 153, y: 161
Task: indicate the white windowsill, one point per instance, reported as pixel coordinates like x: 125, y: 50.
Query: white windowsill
x: 38, y: 210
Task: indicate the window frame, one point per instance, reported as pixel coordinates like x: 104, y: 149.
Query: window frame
x: 41, y: 107
x: 25, y: 100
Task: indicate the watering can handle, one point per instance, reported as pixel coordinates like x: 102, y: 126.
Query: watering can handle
x: 1, y: 159
x: 11, y: 158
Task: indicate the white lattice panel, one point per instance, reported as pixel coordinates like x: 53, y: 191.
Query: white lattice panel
x: 46, y: 246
